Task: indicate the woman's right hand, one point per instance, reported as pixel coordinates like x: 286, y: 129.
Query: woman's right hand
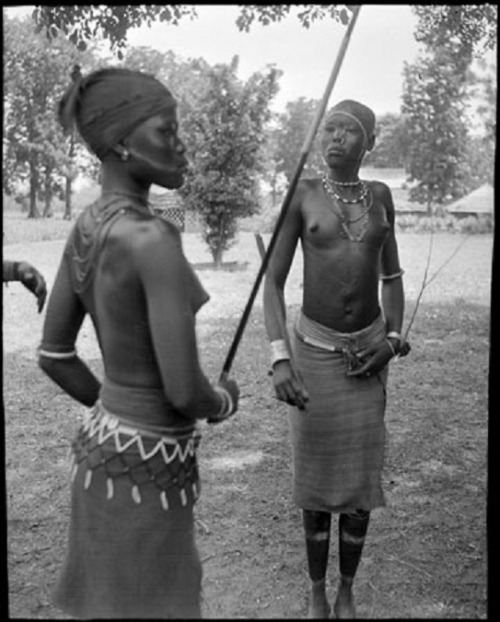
x: 289, y: 385
x: 234, y: 392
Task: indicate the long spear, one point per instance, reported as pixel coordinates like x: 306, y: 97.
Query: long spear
x: 289, y: 195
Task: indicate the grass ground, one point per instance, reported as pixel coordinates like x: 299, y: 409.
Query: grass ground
x: 425, y: 556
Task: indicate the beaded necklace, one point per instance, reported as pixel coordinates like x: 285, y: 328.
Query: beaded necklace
x: 357, y: 182
x: 332, y: 191
x: 344, y: 221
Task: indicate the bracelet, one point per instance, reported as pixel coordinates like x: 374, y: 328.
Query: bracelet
x: 391, y: 347
x: 390, y: 277
x: 227, y: 405
x: 279, y: 351
x: 395, y: 335
x: 56, y: 355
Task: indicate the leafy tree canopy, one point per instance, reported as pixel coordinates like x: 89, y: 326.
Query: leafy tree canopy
x: 474, y: 26
x: 82, y: 23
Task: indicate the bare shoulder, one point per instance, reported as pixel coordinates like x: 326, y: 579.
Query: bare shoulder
x: 310, y: 184
x: 155, y: 240
x: 379, y: 188
x: 382, y: 192
x: 306, y: 190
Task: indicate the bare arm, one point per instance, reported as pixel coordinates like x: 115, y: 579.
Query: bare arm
x: 164, y: 273
x: 277, y: 272
x: 287, y: 381
x: 393, y: 301
x: 29, y: 276
x: 57, y: 354
x: 376, y: 357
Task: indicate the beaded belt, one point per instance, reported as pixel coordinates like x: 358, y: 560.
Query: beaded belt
x: 146, y: 457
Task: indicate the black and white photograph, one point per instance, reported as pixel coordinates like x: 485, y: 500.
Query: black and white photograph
x: 247, y: 307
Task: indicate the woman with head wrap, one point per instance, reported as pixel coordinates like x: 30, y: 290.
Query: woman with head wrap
x: 343, y: 342
x: 131, y: 550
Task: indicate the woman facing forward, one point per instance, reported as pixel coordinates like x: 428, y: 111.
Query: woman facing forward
x: 131, y: 550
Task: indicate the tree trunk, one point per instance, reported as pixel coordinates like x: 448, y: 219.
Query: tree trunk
x: 48, y: 212
x: 33, y: 209
x: 218, y: 251
x: 68, y: 206
x: 217, y: 257
x: 429, y: 200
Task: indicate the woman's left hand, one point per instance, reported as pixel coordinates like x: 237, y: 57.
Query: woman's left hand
x: 373, y: 359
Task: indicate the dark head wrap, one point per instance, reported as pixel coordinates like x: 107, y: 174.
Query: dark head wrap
x: 359, y: 113
x: 108, y: 104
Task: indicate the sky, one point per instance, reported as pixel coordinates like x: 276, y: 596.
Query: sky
x: 382, y: 40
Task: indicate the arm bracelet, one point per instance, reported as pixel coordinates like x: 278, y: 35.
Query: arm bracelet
x: 279, y: 351
x: 390, y: 277
x: 56, y: 355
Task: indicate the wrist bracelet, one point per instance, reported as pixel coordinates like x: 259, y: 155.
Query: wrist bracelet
x: 395, y: 335
x: 279, y: 351
x: 391, y: 347
x: 227, y: 404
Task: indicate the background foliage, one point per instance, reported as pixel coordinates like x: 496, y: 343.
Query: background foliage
x: 432, y: 137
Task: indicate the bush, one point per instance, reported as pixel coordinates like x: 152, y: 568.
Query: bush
x: 448, y: 223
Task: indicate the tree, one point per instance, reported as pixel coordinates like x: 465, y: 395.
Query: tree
x: 294, y: 125
x: 82, y: 23
x: 472, y: 26
x: 434, y: 105
x: 35, y: 77
x: 227, y: 134
x: 482, y: 143
x: 391, y: 145
x: 306, y: 13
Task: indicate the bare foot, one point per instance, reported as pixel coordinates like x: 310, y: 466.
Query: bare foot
x: 318, y: 607
x: 344, y: 605
x: 318, y: 604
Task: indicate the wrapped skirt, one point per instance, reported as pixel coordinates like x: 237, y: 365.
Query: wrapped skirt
x: 338, y: 444
x: 131, y: 547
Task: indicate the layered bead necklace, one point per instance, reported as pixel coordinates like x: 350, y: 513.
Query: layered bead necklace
x: 328, y: 185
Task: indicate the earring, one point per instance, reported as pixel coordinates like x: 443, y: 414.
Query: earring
x: 124, y: 155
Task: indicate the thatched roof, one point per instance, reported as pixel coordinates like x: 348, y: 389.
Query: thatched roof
x: 479, y: 201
